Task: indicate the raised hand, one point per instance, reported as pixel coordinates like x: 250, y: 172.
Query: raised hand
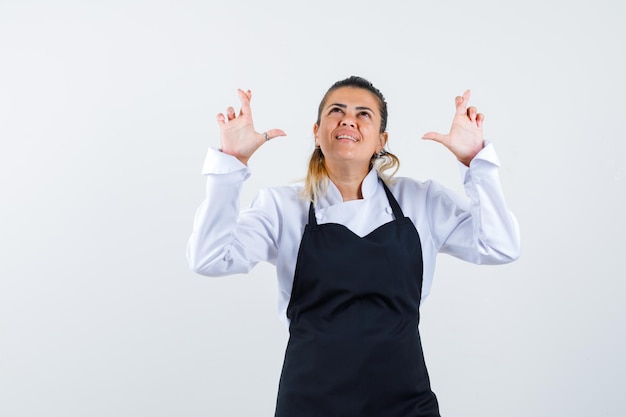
x: 465, y: 139
x: 237, y: 134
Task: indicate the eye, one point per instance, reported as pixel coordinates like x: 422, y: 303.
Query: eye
x: 335, y: 110
x: 366, y: 114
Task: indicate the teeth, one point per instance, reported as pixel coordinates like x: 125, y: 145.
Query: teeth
x: 346, y: 137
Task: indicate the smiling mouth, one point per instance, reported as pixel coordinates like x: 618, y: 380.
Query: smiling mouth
x: 352, y: 138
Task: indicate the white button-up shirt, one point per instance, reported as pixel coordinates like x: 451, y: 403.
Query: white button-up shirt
x: 477, y: 227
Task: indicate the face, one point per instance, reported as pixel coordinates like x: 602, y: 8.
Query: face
x: 349, y: 127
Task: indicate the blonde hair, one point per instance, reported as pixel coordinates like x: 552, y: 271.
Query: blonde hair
x: 317, y: 175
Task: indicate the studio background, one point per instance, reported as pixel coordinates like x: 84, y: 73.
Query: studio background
x: 107, y: 109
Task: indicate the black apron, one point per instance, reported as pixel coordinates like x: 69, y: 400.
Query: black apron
x: 354, y: 347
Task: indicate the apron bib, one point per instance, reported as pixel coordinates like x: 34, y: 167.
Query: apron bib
x: 354, y: 347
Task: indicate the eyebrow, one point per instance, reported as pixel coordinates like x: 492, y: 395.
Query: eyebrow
x: 343, y: 106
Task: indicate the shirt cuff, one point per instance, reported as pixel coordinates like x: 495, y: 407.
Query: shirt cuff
x: 487, y: 155
x: 217, y: 162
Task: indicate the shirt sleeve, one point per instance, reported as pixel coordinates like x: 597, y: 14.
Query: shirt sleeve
x: 224, y: 241
x: 478, y: 227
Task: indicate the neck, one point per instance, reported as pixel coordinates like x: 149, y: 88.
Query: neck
x: 348, y: 181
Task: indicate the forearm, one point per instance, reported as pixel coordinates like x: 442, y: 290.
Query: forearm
x: 495, y: 228
x: 482, y: 229
x: 212, y: 245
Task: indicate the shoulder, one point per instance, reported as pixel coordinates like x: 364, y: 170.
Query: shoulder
x: 285, y: 209
x: 406, y: 185
x: 281, y: 199
x: 424, y: 193
x: 284, y: 193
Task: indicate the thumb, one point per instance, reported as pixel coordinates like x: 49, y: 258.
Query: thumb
x: 437, y: 137
x: 273, y: 133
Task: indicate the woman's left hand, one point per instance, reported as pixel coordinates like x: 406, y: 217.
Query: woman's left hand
x: 465, y: 139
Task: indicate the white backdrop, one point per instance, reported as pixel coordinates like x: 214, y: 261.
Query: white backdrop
x: 106, y: 111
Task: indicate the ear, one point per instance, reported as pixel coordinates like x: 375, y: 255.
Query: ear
x: 315, y: 128
x: 383, y: 137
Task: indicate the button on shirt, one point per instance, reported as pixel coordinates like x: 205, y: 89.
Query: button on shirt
x: 477, y: 227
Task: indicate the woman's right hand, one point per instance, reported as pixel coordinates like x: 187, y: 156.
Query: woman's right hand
x: 237, y: 135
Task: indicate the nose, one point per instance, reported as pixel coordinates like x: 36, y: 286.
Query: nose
x: 348, y: 121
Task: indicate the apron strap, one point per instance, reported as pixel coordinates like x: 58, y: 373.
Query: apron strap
x: 397, y: 211
x: 312, y: 219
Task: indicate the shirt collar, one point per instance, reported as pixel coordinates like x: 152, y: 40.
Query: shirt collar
x: 368, y: 187
x: 370, y: 183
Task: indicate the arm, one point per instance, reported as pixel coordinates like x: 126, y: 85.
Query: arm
x: 481, y: 230
x: 223, y: 240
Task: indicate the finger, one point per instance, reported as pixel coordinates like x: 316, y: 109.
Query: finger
x: 479, y: 119
x: 230, y: 113
x: 220, y: 118
x: 461, y: 102
x: 437, y: 137
x: 471, y: 113
x: 245, y: 97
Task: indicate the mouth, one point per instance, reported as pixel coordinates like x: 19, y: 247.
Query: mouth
x: 348, y: 137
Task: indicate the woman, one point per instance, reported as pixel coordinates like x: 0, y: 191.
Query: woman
x: 354, y: 248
